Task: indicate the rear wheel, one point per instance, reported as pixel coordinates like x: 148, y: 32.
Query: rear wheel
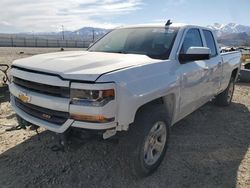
x: 225, y: 98
x: 147, y: 140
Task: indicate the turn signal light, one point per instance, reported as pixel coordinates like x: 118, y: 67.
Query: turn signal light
x: 93, y: 119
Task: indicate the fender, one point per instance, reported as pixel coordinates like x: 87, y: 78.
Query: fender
x: 133, y: 93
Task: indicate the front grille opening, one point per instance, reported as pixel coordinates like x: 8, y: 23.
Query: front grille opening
x: 43, y: 88
x: 52, y: 116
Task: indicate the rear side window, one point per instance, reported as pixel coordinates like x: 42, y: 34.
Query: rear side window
x: 210, y: 42
x: 192, y: 39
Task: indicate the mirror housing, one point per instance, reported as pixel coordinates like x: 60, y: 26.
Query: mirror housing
x: 195, y: 54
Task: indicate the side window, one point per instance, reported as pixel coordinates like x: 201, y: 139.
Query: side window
x: 210, y: 42
x: 192, y: 38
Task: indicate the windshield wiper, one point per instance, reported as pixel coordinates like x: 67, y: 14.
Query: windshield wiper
x: 157, y: 56
x: 119, y: 52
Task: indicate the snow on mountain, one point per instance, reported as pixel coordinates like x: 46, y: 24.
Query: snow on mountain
x: 222, y: 29
x: 232, y: 34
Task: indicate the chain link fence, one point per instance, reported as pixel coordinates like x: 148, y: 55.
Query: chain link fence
x: 36, y: 42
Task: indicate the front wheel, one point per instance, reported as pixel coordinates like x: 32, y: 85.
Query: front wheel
x: 225, y: 98
x: 148, y: 140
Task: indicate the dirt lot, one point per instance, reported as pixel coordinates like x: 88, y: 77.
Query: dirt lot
x: 209, y: 148
x: 7, y: 55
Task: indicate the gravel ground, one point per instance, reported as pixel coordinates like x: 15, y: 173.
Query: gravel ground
x: 7, y: 55
x: 209, y: 148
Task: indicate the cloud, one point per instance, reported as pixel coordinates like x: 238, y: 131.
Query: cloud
x: 175, y: 2
x: 5, y: 23
x: 49, y: 15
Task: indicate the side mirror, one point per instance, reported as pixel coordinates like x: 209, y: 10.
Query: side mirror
x: 195, y: 54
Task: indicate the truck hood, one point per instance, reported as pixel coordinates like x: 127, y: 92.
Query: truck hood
x: 81, y: 65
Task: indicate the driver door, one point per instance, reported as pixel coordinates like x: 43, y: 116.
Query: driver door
x: 193, y: 76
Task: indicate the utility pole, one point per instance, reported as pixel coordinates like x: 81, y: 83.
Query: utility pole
x: 93, y: 34
x: 62, y: 32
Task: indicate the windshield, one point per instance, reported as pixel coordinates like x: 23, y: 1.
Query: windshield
x: 153, y: 42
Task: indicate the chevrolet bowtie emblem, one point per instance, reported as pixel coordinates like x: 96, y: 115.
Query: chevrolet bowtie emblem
x: 24, y: 97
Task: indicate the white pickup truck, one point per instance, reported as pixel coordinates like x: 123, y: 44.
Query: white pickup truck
x: 141, y: 79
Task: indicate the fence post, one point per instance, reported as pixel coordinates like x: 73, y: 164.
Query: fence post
x: 24, y: 42
x: 12, y: 43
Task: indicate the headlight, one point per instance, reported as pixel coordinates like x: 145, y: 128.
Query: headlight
x: 91, y: 97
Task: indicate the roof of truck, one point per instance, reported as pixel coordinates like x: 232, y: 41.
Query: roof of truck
x: 154, y: 25
x: 178, y: 25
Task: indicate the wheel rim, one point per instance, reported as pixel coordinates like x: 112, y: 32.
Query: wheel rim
x: 155, y: 143
x: 230, y: 92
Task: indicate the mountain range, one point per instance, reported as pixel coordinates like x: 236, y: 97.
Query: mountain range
x: 231, y: 34
x: 222, y: 29
x: 83, y: 34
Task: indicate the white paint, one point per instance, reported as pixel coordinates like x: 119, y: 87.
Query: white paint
x: 137, y: 79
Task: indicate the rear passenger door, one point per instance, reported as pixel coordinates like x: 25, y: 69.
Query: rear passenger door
x: 214, y: 64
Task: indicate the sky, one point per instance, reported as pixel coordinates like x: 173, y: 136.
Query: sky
x: 50, y: 15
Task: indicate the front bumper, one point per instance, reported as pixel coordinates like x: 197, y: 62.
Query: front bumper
x: 60, y: 128
x: 62, y: 105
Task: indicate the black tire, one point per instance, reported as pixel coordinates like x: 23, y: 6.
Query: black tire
x: 225, y: 98
x: 146, y: 122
